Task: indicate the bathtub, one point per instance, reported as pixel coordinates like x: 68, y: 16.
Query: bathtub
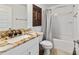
x: 64, y: 47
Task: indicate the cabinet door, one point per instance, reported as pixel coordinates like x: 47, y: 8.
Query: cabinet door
x: 33, y: 50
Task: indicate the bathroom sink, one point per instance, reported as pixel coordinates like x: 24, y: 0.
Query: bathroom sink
x: 16, y: 39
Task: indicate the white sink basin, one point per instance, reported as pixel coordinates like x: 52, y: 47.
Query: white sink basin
x: 18, y: 38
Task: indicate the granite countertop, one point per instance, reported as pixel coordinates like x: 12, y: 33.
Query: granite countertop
x: 13, y: 42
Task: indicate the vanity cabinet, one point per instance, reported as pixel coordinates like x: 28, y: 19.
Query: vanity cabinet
x: 31, y: 47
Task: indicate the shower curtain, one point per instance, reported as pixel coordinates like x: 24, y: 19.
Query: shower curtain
x: 48, y: 24
x: 51, y: 26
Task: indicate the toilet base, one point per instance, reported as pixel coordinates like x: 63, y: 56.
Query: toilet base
x: 47, y: 52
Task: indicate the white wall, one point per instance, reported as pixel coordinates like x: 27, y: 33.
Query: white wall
x: 77, y: 22
x: 29, y: 15
x: 24, y: 15
x: 5, y: 17
x: 14, y: 12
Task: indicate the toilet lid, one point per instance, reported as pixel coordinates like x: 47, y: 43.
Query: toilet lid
x: 46, y: 43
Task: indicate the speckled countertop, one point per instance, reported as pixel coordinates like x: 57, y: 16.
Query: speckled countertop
x: 14, y: 43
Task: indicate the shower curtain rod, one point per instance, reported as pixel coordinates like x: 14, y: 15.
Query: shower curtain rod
x: 61, y: 6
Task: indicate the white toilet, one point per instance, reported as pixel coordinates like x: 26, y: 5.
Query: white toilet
x: 47, y: 45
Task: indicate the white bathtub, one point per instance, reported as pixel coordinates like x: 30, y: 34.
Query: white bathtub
x: 64, y: 46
